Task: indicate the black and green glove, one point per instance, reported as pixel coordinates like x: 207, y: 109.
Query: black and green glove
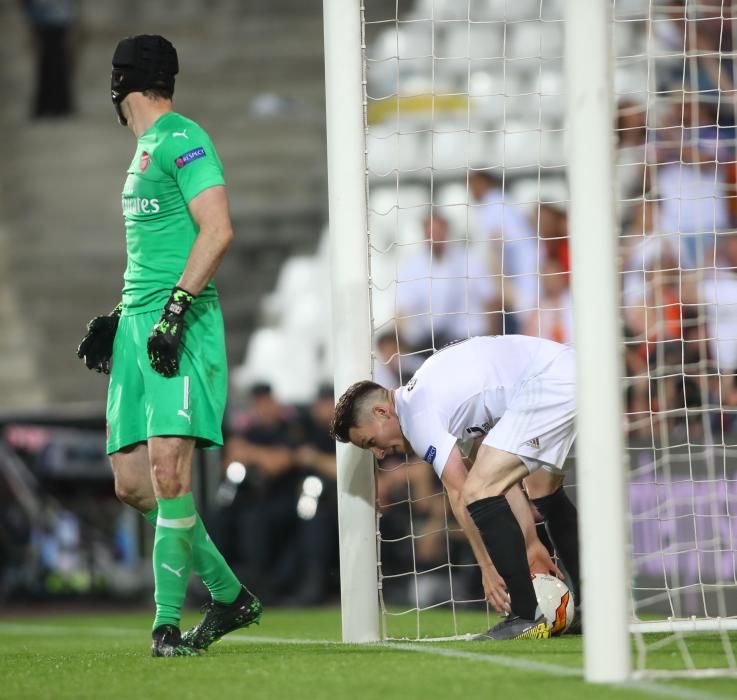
x: 96, y: 348
x: 163, y: 343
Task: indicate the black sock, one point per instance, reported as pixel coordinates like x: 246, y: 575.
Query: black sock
x: 562, y: 519
x: 505, y: 542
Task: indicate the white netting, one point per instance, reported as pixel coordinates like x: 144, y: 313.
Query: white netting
x: 468, y: 235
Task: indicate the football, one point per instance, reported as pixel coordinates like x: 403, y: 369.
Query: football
x: 555, y: 601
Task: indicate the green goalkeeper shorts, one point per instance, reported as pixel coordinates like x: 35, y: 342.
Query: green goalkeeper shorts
x: 142, y: 403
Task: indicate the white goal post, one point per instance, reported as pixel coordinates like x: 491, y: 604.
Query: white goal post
x: 351, y: 321
x: 600, y: 445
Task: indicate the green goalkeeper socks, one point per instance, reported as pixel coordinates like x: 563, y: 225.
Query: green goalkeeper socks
x: 208, y: 563
x: 172, y: 556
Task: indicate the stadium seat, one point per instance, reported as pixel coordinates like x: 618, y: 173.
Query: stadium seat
x: 264, y: 359
x: 384, y: 46
x: 549, y: 88
x: 453, y: 147
x: 551, y: 10
x: 384, y: 268
x: 414, y: 40
x: 389, y: 150
x: 631, y: 9
x: 552, y: 150
x: 270, y: 358
x: 517, y: 147
x: 517, y: 11
x: 632, y: 81
x: 526, y: 192
x: 297, y: 275
x: 395, y: 216
x: 534, y: 39
x: 382, y: 77
x: 486, y: 90
x: 439, y: 10
x: 453, y: 201
x: 472, y: 41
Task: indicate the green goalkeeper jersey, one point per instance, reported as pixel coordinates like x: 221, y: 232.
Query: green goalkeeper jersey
x: 174, y: 162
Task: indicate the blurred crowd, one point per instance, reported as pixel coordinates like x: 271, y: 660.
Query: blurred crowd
x: 675, y: 181
x: 275, y: 518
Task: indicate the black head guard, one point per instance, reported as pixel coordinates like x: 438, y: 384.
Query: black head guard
x: 140, y: 63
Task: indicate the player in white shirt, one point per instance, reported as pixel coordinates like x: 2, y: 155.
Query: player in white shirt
x: 512, y: 400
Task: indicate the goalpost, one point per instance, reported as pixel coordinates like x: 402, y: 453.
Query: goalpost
x: 607, y: 132
x: 600, y: 446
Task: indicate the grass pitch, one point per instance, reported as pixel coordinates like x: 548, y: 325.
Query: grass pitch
x: 296, y: 654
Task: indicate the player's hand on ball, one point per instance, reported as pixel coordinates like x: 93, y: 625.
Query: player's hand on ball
x: 166, y: 336
x: 540, y: 561
x: 96, y: 348
x: 495, y: 591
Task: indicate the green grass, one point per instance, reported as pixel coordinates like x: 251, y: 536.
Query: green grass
x: 96, y: 656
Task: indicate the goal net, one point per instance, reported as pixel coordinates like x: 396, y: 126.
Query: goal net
x: 467, y: 235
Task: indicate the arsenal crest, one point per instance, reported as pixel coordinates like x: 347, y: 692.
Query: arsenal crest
x: 145, y: 160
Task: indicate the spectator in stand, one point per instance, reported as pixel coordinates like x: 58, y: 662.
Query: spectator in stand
x: 515, y: 240
x: 394, y: 364
x: 552, y: 225
x: 690, y: 182
x: 554, y: 318
x: 641, y: 244
x: 263, y: 515
x: 317, y: 508
x: 719, y: 293
x: 645, y: 247
x: 706, y: 32
x: 657, y: 355
x: 52, y: 22
x: 710, y: 43
x: 443, y: 292
x: 387, y: 362
x: 633, y: 151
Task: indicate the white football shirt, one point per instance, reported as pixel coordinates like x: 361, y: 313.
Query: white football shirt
x: 463, y: 390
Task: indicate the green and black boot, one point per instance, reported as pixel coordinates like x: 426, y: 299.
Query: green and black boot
x: 220, y: 619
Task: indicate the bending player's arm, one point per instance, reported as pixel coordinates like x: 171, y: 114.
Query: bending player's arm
x: 453, y: 477
x: 209, y: 209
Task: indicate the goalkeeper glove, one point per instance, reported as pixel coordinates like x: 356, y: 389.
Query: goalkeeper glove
x: 96, y: 348
x: 163, y: 343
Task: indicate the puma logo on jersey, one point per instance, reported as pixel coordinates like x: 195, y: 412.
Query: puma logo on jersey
x: 182, y: 134
x: 176, y: 572
x: 186, y: 415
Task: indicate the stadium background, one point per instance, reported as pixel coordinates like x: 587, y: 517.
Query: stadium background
x: 252, y: 74
x: 63, y: 248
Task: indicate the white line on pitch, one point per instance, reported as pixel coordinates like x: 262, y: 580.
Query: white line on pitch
x: 666, y: 690
x: 32, y: 628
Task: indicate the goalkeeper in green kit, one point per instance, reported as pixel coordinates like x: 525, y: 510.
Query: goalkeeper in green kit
x: 163, y: 345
